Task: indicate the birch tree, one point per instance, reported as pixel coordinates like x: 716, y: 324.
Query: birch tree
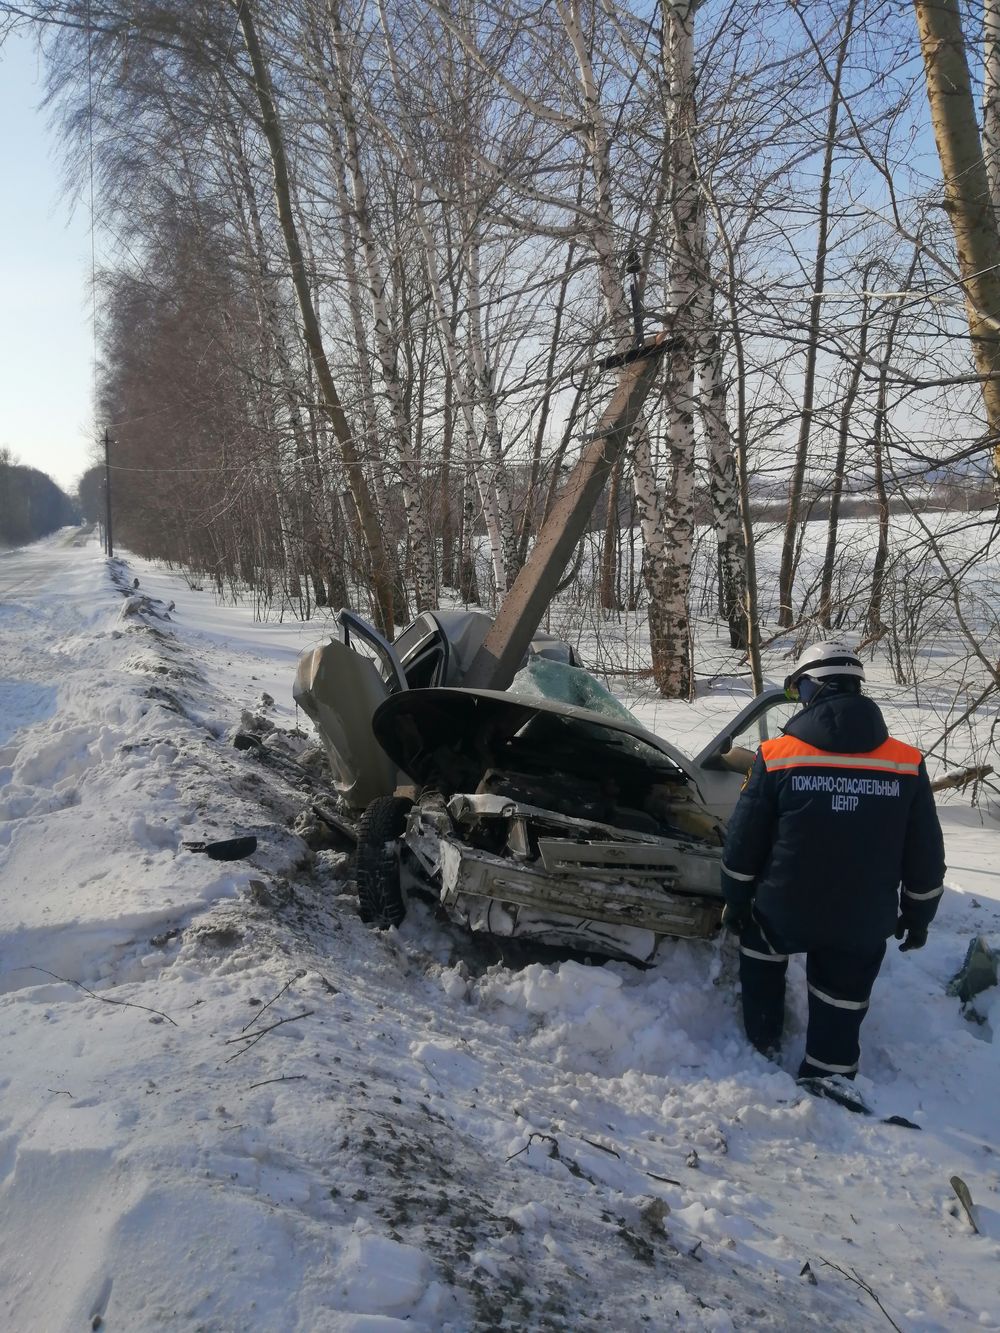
x: 349, y: 175
x: 967, y: 198
x: 723, y: 484
x: 489, y: 475
x: 381, y: 565
x: 671, y: 540
x: 991, y: 100
x: 801, y: 455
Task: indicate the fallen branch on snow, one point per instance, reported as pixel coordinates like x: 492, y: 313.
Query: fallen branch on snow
x: 553, y: 1143
x: 667, y: 1180
x: 284, y: 1078
x: 603, y: 1147
x: 570, y: 1163
x: 68, y: 981
x: 268, y: 1005
x: 252, y: 1038
x: 858, y: 1281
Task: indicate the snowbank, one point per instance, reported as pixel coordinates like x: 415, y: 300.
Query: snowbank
x: 233, y: 1106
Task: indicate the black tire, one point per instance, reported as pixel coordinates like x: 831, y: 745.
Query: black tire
x: 380, y: 896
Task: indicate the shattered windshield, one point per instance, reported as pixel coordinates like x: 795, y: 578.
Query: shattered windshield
x: 558, y: 683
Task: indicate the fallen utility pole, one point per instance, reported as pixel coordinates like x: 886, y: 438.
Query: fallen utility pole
x: 521, y: 611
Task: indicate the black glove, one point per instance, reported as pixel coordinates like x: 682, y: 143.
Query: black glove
x: 735, y: 918
x: 916, y: 936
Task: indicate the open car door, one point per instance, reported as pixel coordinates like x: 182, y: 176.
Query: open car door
x: 339, y: 685
x: 722, y: 766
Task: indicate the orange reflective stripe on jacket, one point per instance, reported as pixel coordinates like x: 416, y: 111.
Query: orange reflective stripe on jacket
x: 890, y: 757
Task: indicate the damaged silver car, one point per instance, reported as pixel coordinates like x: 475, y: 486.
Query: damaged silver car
x: 546, y: 811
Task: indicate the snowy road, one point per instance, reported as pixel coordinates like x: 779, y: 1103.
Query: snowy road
x: 424, y: 1141
x: 22, y: 575
x: 26, y: 695
x: 29, y: 570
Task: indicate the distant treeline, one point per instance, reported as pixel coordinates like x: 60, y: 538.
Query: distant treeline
x: 970, y: 494
x: 31, y: 504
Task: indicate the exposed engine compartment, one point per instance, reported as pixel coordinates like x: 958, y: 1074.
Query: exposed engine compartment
x: 452, y: 741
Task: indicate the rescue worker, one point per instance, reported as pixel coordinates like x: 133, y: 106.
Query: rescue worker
x: 834, y: 846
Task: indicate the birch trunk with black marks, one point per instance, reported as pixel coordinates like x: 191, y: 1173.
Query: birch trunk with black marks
x: 874, y: 628
x: 668, y: 574
x: 601, y: 236
x: 486, y: 401
x: 445, y: 518
x: 666, y: 516
x: 723, y: 483
x: 991, y: 100
x: 723, y: 480
x: 840, y: 462
x: 368, y: 518
x: 468, y: 579
x: 271, y: 342
x: 740, y: 458
x: 359, y: 211
x: 786, y: 576
x: 531, y: 500
x: 488, y: 484
x: 595, y: 137
x: 967, y: 198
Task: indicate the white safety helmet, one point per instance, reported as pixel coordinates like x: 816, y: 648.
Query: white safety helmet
x: 821, y: 660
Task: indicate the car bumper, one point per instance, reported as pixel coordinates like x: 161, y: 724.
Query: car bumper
x: 595, y: 887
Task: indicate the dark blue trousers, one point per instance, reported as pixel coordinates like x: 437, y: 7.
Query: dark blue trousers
x: 840, y: 985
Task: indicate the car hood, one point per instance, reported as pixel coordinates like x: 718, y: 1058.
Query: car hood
x: 450, y: 737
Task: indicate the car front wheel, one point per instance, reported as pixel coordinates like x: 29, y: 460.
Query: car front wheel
x: 380, y: 896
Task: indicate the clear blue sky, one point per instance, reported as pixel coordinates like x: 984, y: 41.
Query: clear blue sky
x: 46, y: 357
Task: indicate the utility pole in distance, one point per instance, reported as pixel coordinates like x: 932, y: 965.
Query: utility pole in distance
x: 109, y: 545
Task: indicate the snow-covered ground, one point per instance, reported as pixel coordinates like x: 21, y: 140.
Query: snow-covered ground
x: 234, y: 1107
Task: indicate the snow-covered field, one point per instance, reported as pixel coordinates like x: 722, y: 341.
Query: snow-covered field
x: 234, y: 1107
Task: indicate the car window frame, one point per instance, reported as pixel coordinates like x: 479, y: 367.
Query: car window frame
x: 758, y: 707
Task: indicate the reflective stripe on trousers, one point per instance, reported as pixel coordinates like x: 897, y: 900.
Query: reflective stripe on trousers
x: 839, y: 989
x: 762, y: 979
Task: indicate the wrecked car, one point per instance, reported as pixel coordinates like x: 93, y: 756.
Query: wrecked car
x: 546, y: 811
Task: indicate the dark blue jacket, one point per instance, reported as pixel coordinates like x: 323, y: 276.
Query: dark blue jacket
x: 835, y: 819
